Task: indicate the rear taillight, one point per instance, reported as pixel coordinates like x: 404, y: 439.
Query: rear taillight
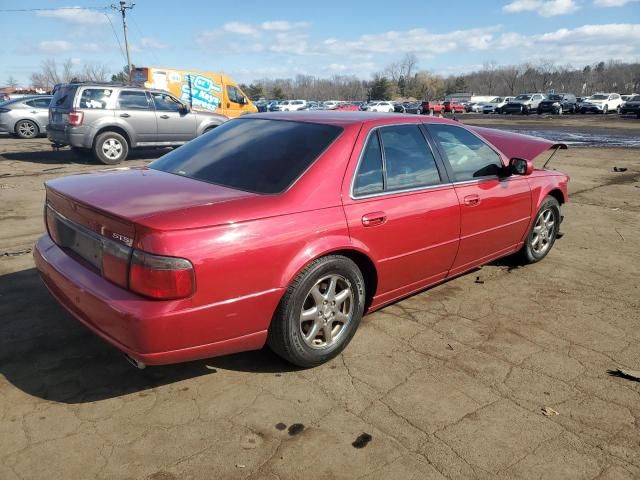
x: 161, y: 277
x: 75, y: 119
x: 115, y: 262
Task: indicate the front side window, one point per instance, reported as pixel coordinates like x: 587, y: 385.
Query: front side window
x: 95, y: 98
x: 234, y: 94
x: 133, y: 100
x: 254, y: 155
x: 469, y: 157
x: 165, y: 103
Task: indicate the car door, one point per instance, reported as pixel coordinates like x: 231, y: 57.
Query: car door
x: 495, y: 209
x: 402, y: 209
x: 174, y: 123
x: 135, y: 109
x: 39, y: 108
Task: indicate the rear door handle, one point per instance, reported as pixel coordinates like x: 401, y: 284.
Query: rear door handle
x: 125, y: 115
x: 373, y: 219
x: 472, y: 200
x: 164, y: 116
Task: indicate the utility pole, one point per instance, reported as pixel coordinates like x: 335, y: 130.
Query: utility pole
x: 122, y: 8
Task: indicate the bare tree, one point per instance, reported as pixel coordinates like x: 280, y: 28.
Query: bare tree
x: 12, y: 82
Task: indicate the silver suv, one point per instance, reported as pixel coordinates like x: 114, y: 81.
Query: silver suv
x: 111, y: 119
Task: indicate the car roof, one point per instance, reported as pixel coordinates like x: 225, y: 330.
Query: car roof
x: 344, y: 118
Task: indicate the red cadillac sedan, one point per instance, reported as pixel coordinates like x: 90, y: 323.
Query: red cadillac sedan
x: 286, y: 228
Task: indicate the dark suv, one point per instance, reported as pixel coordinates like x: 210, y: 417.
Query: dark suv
x: 558, y: 103
x: 111, y: 119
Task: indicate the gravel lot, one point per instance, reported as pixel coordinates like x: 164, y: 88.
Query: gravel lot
x: 449, y: 383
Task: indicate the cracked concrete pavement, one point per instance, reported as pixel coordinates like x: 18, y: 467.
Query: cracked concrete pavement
x: 449, y: 383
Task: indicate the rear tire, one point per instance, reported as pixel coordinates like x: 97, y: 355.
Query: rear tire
x: 110, y: 148
x: 319, y: 313
x: 27, y: 129
x: 543, y: 233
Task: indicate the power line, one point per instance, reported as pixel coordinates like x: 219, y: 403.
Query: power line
x: 15, y: 10
x: 122, y: 8
x: 115, y: 34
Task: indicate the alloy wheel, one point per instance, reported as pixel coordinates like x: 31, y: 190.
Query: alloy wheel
x: 326, y: 311
x: 112, y: 148
x: 544, y: 231
x: 27, y: 129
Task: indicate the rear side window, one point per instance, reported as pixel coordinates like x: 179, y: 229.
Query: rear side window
x: 408, y: 159
x: 254, y: 155
x: 133, y: 100
x: 369, y: 179
x: 468, y: 156
x: 39, y: 102
x: 95, y: 98
x: 63, y: 98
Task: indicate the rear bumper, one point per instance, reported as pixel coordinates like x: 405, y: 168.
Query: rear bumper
x: 152, y: 332
x: 67, y: 136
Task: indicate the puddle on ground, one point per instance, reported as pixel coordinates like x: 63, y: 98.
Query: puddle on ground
x: 583, y: 138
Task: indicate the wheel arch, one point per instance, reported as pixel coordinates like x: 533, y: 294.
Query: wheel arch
x: 113, y: 128
x: 358, y: 255
x: 557, y: 194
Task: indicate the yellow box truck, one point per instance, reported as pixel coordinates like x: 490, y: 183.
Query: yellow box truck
x: 209, y: 91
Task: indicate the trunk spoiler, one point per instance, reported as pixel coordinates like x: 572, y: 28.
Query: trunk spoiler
x: 516, y: 145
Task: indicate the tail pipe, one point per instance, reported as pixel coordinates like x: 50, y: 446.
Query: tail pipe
x: 136, y: 363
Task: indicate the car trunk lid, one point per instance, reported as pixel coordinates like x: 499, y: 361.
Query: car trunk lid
x: 516, y: 145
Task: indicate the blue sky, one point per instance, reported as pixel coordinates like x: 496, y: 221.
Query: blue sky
x: 254, y: 39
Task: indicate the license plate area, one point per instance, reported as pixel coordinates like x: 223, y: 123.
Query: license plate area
x: 83, y: 244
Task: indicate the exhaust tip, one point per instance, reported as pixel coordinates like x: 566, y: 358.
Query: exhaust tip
x: 136, y: 363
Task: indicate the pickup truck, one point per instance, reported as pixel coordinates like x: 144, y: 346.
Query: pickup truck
x: 453, y: 107
x: 432, y: 107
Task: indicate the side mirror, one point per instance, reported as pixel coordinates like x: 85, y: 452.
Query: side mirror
x: 185, y: 108
x: 520, y: 166
x: 243, y: 101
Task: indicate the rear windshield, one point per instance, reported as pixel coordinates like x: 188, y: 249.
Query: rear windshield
x: 254, y: 155
x: 63, y: 98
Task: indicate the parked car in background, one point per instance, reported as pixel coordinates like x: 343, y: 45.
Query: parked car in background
x: 495, y: 105
x: 525, y: 103
x: 273, y: 106
x: 558, y: 103
x: 627, y: 96
x: 374, y: 208
x: 109, y: 120
x: 398, y: 107
x: 602, y: 103
x: 291, y: 105
x: 331, y: 104
x: 413, y: 107
x: 347, y: 107
x: 631, y: 106
x: 430, y: 107
x: 261, y: 105
x: 4, y: 97
x: 453, y: 107
x: 380, y: 107
x: 579, y: 102
x: 25, y: 117
x: 475, y: 107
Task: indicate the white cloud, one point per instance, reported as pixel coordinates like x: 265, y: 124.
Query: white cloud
x: 282, y: 25
x: 54, y: 47
x: 546, y: 8
x: 240, y: 28
x: 75, y: 15
x: 152, y: 44
x: 611, y: 3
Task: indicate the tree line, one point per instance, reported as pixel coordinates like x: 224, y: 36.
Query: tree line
x: 402, y: 79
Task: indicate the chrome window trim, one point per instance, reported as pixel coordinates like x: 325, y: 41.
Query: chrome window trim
x: 392, y: 192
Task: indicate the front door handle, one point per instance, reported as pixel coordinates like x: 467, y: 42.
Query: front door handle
x: 472, y: 200
x: 373, y: 219
x: 164, y: 116
x: 125, y: 115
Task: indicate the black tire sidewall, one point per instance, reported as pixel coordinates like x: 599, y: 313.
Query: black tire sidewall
x: 97, y: 148
x: 287, y: 316
x: 529, y: 255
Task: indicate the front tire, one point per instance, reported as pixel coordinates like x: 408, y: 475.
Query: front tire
x: 110, y: 148
x: 26, y: 129
x: 543, y: 233
x: 319, y: 313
